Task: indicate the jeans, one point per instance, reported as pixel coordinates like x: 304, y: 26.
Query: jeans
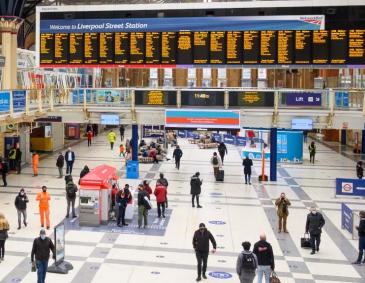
x: 361, y: 247
x: 2, y: 248
x: 121, y: 214
x: 70, y: 164
x: 197, y: 200
x: 60, y: 171
x: 247, y: 178
x: 315, y: 241
x: 20, y: 212
x: 70, y: 201
x: 142, y: 213
x: 42, y: 266
x: 159, y: 206
x: 177, y: 163
x: 263, y: 270
x: 202, y: 258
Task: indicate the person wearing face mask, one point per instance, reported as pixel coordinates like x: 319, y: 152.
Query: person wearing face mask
x: 21, y: 201
x: 40, y: 252
x: 43, y: 197
x: 314, y: 225
x: 282, y: 203
x: 201, y: 246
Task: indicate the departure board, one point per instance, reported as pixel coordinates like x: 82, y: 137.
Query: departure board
x: 320, y: 47
x: 234, y: 45
x: 202, y: 98
x: 339, y: 48
x: 46, y: 54
x: 155, y: 97
x: 201, y: 47
x: 76, y: 47
x: 285, y: 47
x: 168, y: 48
x: 153, y: 50
x: 303, y: 46
x: 137, y: 47
x: 106, y: 48
x: 60, y: 48
x: 91, y: 52
x: 217, y: 47
x: 251, y: 98
x: 184, y: 48
x: 356, y: 54
x: 251, y: 47
x: 268, y: 47
x: 121, y: 47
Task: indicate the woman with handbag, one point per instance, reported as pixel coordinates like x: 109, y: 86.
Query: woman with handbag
x: 4, y: 227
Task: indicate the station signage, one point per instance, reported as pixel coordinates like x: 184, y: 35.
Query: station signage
x: 303, y: 98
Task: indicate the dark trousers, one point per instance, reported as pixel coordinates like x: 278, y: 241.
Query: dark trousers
x: 2, y: 248
x: 70, y: 202
x: 18, y: 166
x: 69, y: 166
x: 361, y: 247
x: 315, y: 241
x: 121, y: 136
x: 111, y: 145
x: 4, y: 179
x: 247, y: 178
x: 202, y: 258
x: 12, y: 164
x: 121, y: 214
x: 311, y: 157
x: 161, y: 206
x: 88, y: 142
x: 222, y: 154
x: 42, y: 266
x: 166, y: 203
x: 177, y: 163
x: 197, y: 200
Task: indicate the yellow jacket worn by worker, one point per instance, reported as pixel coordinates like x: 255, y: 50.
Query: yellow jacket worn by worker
x: 112, y: 137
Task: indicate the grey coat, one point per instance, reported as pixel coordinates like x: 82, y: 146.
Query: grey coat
x: 245, y: 276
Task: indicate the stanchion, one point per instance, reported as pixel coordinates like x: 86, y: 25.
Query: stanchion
x: 263, y: 177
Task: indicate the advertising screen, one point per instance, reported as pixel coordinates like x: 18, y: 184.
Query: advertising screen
x: 108, y: 96
x: 59, y: 239
x: 109, y: 119
x: 302, y: 124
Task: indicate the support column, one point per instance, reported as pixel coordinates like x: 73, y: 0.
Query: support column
x: 363, y: 141
x: 343, y: 136
x: 135, y: 142
x: 273, y: 153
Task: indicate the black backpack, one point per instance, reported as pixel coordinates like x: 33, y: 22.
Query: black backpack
x: 215, y: 160
x: 71, y: 190
x: 248, y: 262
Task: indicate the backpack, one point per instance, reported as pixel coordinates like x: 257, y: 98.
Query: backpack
x: 215, y: 160
x: 71, y: 190
x: 248, y: 262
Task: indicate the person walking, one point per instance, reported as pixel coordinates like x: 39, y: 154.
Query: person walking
x: 177, y: 154
x: 121, y: 131
x: 42, y: 246
x: 70, y: 159
x: 71, y: 190
x: 121, y: 150
x: 247, y: 169
x: 282, y: 204
x: 4, y: 228
x: 89, y: 137
x: 361, y: 232
x: 201, y: 240
x: 217, y: 163
x: 162, y: 180
x: 143, y: 206
x: 265, y: 259
x: 43, y: 197
x: 359, y: 170
x: 160, y: 193
x: 4, y: 168
x: 122, y: 198
x: 84, y: 172
x: 246, y: 264
x: 222, y: 149
x: 12, y: 158
x: 112, y: 138
x: 314, y: 225
x: 35, y: 162
x: 312, y: 152
x: 195, y: 189
x: 60, y: 163
x: 147, y: 188
x: 18, y: 160
x: 21, y: 201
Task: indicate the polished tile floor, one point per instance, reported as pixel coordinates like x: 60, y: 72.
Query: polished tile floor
x: 233, y: 212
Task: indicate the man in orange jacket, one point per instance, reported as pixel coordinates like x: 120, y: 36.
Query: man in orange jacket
x: 35, y: 161
x: 44, y: 198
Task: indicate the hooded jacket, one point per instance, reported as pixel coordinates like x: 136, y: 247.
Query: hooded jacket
x: 195, y: 185
x: 21, y: 201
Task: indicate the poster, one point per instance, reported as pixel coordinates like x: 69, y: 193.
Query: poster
x: 19, y: 100
x: 108, y: 96
x: 60, y: 242
x: 4, y: 101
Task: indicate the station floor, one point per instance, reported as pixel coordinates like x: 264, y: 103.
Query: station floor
x: 232, y: 211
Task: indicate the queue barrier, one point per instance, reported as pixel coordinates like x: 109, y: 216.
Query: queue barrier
x: 350, y: 187
x: 349, y: 220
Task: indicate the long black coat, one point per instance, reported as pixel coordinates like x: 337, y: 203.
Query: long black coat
x: 247, y: 164
x: 195, y: 185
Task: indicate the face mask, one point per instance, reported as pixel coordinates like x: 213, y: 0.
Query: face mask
x: 201, y: 229
x: 43, y: 237
x: 22, y: 193
x: 314, y: 212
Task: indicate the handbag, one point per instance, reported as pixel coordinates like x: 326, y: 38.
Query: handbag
x: 305, y: 242
x: 274, y: 278
x: 34, y: 267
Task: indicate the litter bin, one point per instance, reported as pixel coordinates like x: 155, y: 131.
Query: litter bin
x: 132, y: 169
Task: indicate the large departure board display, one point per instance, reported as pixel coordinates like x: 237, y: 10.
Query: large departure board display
x: 155, y: 97
x: 202, y: 98
x: 265, y: 47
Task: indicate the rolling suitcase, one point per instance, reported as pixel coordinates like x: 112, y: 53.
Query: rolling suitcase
x: 305, y: 242
x: 220, y: 175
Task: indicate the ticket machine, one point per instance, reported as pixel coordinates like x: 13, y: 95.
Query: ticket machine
x: 95, y: 195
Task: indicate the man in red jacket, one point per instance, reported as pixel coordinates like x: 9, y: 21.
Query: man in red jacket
x: 160, y: 193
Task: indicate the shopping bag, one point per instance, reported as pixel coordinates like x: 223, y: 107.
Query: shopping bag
x: 305, y: 242
x: 274, y: 278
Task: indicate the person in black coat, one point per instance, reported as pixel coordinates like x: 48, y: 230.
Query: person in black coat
x: 195, y: 189
x: 222, y: 149
x: 201, y: 240
x: 122, y: 199
x: 60, y: 163
x: 83, y: 172
x: 247, y: 164
x: 18, y: 160
x: 177, y: 155
x: 361, y: 233
x: 314, y: 225
x: 21, y: 201
x: 121, y: 131
x: 4, y: 168
x: 359, y: 170
x: 70, y: 159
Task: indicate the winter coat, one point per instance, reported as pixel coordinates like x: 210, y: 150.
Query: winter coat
x: 282, y: 205
x: 201, y: 241
x: 247, y: 164
x: 195, y: 185
x: 21, y: 201
x: 60, y: 161
x: 160, y: 193
x: 314, y: 224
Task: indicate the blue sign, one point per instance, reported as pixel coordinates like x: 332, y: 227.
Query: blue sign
x: 241, y: 141
x: 350, y: 187
x: 229, y: 139
x: 4, y: 101
x: 342, y: 99
x: 19, y: 100
x: 303, y: 98
x: 220, y: 275
x: 217, y: 137
x: 78, y: 96
x: 190, y: 134
x: 347, y: 218
x: 217, y: 222
x: 182, y: 133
